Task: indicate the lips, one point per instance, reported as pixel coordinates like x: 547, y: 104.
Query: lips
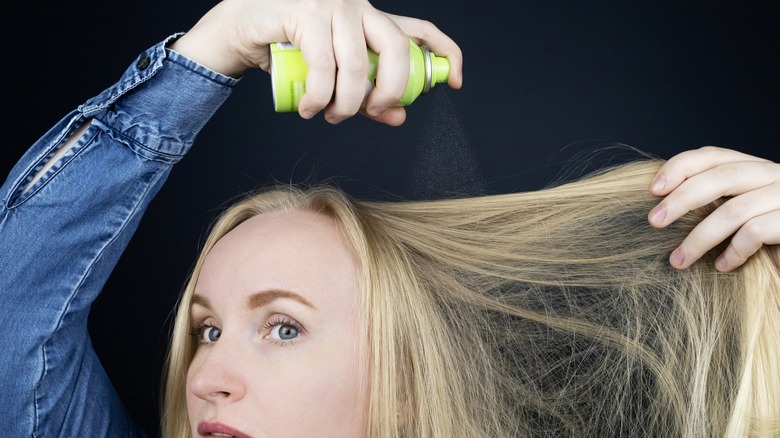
x: 218, y: 429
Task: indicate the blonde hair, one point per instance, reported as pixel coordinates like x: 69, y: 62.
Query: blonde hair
x: 546, y: 313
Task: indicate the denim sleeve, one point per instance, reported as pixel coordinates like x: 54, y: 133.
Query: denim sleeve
x: 60, y: 238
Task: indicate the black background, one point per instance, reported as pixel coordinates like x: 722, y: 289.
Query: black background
x: 547, y: 84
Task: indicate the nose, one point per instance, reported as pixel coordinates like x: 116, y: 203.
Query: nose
x: 215, y: 374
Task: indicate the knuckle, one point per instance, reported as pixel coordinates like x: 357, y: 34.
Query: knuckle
x: 398, y: 42
x: 679, y: 201
x: 396, y: 94
x: 356, y: 65
x: 317, y: 101
x: 727, y: 171
x: 734, y: 256
x: 456, y: 53
x: 753, y: 230
x: 682, y: 161
x: 427, y: 28
x: 324, y: 63
x: 342, y: 111
x: 738, y: 254
x: 731, y: 210
x: 711, y: 149
x: 693, y: 250
x: 775, y: 169
x: 387, y: 94
x: 389, y: 97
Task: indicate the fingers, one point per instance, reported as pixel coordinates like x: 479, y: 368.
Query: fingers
x: 336, y: 79
x: 316, y: 46
x: 394, y: 116
x: 338, y: 66
x: 425, y: 32
x: 727, y: 179
x: 690, y: 163
x: 748, y: 217
x: 333, y: 37
x: 392, y: 45
x: 696, y: 178
x: 352, y: 67
x: 758, y: 231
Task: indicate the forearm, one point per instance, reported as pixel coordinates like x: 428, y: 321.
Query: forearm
x: 67, y: 217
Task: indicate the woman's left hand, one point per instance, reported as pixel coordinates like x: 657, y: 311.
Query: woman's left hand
x: 695, y: 178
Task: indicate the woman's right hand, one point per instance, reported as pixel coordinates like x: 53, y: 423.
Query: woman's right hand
x: 332, y: 36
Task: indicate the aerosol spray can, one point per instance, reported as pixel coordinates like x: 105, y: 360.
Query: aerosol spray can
x: 288, y: 74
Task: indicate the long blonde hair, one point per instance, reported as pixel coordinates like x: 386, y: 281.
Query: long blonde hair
x: 549, y: 313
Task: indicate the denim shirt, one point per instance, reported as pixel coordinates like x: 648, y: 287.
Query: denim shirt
x: 60, y: 238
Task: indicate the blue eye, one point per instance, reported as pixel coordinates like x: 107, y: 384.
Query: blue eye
x: 284, y: 332
x: 210, y: 334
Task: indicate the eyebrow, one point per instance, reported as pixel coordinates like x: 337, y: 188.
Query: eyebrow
x: 259, y: 299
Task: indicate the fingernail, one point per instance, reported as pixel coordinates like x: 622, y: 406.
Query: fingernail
x: 376, y: 110
x: 721, y: 264
x: 658, y: 214
x: 677, y: 258
x: 658, y: 183
x: 307, y: 114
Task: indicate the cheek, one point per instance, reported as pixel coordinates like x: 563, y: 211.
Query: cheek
x: 323, y: 394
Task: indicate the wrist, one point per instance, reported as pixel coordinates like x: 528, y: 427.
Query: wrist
x: 211, y: 43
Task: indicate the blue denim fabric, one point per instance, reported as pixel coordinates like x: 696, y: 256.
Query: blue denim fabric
x: 60, y: 239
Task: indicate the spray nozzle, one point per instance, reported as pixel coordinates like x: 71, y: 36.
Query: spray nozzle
x: 437, y: 69
x: 440, y: 69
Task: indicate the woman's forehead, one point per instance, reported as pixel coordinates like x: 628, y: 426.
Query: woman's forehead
x: 298, y: 250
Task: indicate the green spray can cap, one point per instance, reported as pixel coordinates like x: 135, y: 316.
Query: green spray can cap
x: 288, y: 74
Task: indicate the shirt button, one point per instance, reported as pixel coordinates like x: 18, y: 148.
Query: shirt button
x: 143, y: 63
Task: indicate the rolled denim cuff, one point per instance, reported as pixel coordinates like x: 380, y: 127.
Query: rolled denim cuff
x: 160, y: 103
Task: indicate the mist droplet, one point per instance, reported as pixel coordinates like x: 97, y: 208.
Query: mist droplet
x: 445, y: 166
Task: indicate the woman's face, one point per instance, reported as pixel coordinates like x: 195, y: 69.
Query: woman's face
x: 275, y: 311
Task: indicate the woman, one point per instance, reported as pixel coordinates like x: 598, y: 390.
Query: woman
x: 551, y: 313
x: 67, y: 218
x: 72, y: 202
